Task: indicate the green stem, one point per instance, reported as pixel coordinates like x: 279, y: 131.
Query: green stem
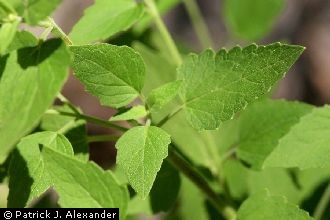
x: 102, y: 138
x: 323, y: 203
x: 66, y: 127
x: 7, y: 7
x: 89, y: 119
x: 229, y: 153
x: 64, y: 100
x: 169, y: 116
x: 198, y: 23
x: 47, y: 31
x: 190, y: 172
x: 57, y: 31
x: 164, y: 32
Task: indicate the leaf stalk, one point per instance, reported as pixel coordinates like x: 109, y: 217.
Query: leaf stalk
x: 323, y: 203
x: 221, y: 206
x: 164, y: 31
x: 198, y: 23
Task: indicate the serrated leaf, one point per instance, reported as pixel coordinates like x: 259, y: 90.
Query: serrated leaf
x: 165, y: 189
x: 251, y: 19
x: 114, y: 74
x: 34, y: 11
x: 162, y: 95
x: 74, y: 130
x: 7, y: 34
x: 39, y: 73
x: 141, y: 151
x: 22, y: 39
x: 263, y: 124
x: 104, y: 19
x: 307, y: 143
x: 84, y: 185
x: 216, y: 86
x: 263, y: 205
x: 28, y: 176
x: 204, y: 148
x: 134, y: 113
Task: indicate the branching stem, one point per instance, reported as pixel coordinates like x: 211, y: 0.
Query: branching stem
x: 102, y: 138
x: 169, y: 116
x: 56, y: 30
x: 91, y: 119
x: 221, y: 206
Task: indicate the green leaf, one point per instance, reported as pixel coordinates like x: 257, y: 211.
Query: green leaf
x: 216, y: 86
x: 114, y: 74
x: 141, y: 151
x: 278, y: 181
x: 307, y: 143
x: 192, y: 205
x: 243, y: 181
x: 74, y: 130
x: 28, y: 176
x: 34, y: 11
x: 162, y: 95
x: 39, y: 73
x: 84, y: 185
x: 104, y: 19
x: 263, y: 124
x: 7, y: 34
x: 159, y: 69
x: 236, y: 178
x: 204, y: 148
x: 251, y: 19
x: 4, y: 167
x: 165, y: 189
x: 309, y: 181
x: 134, y: 113
x: 136, y: 206
x: 262, y: 205
x: 22, y: 39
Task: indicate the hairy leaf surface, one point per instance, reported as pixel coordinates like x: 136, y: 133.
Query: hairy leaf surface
x: 114, y: 74
x: 216, y: 86
x: 84, y: 185
x: 28, y: 176
x: 31, y: 79
x: 141, y: 152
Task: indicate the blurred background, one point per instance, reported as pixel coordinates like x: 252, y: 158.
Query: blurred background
x: 302, y: 22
